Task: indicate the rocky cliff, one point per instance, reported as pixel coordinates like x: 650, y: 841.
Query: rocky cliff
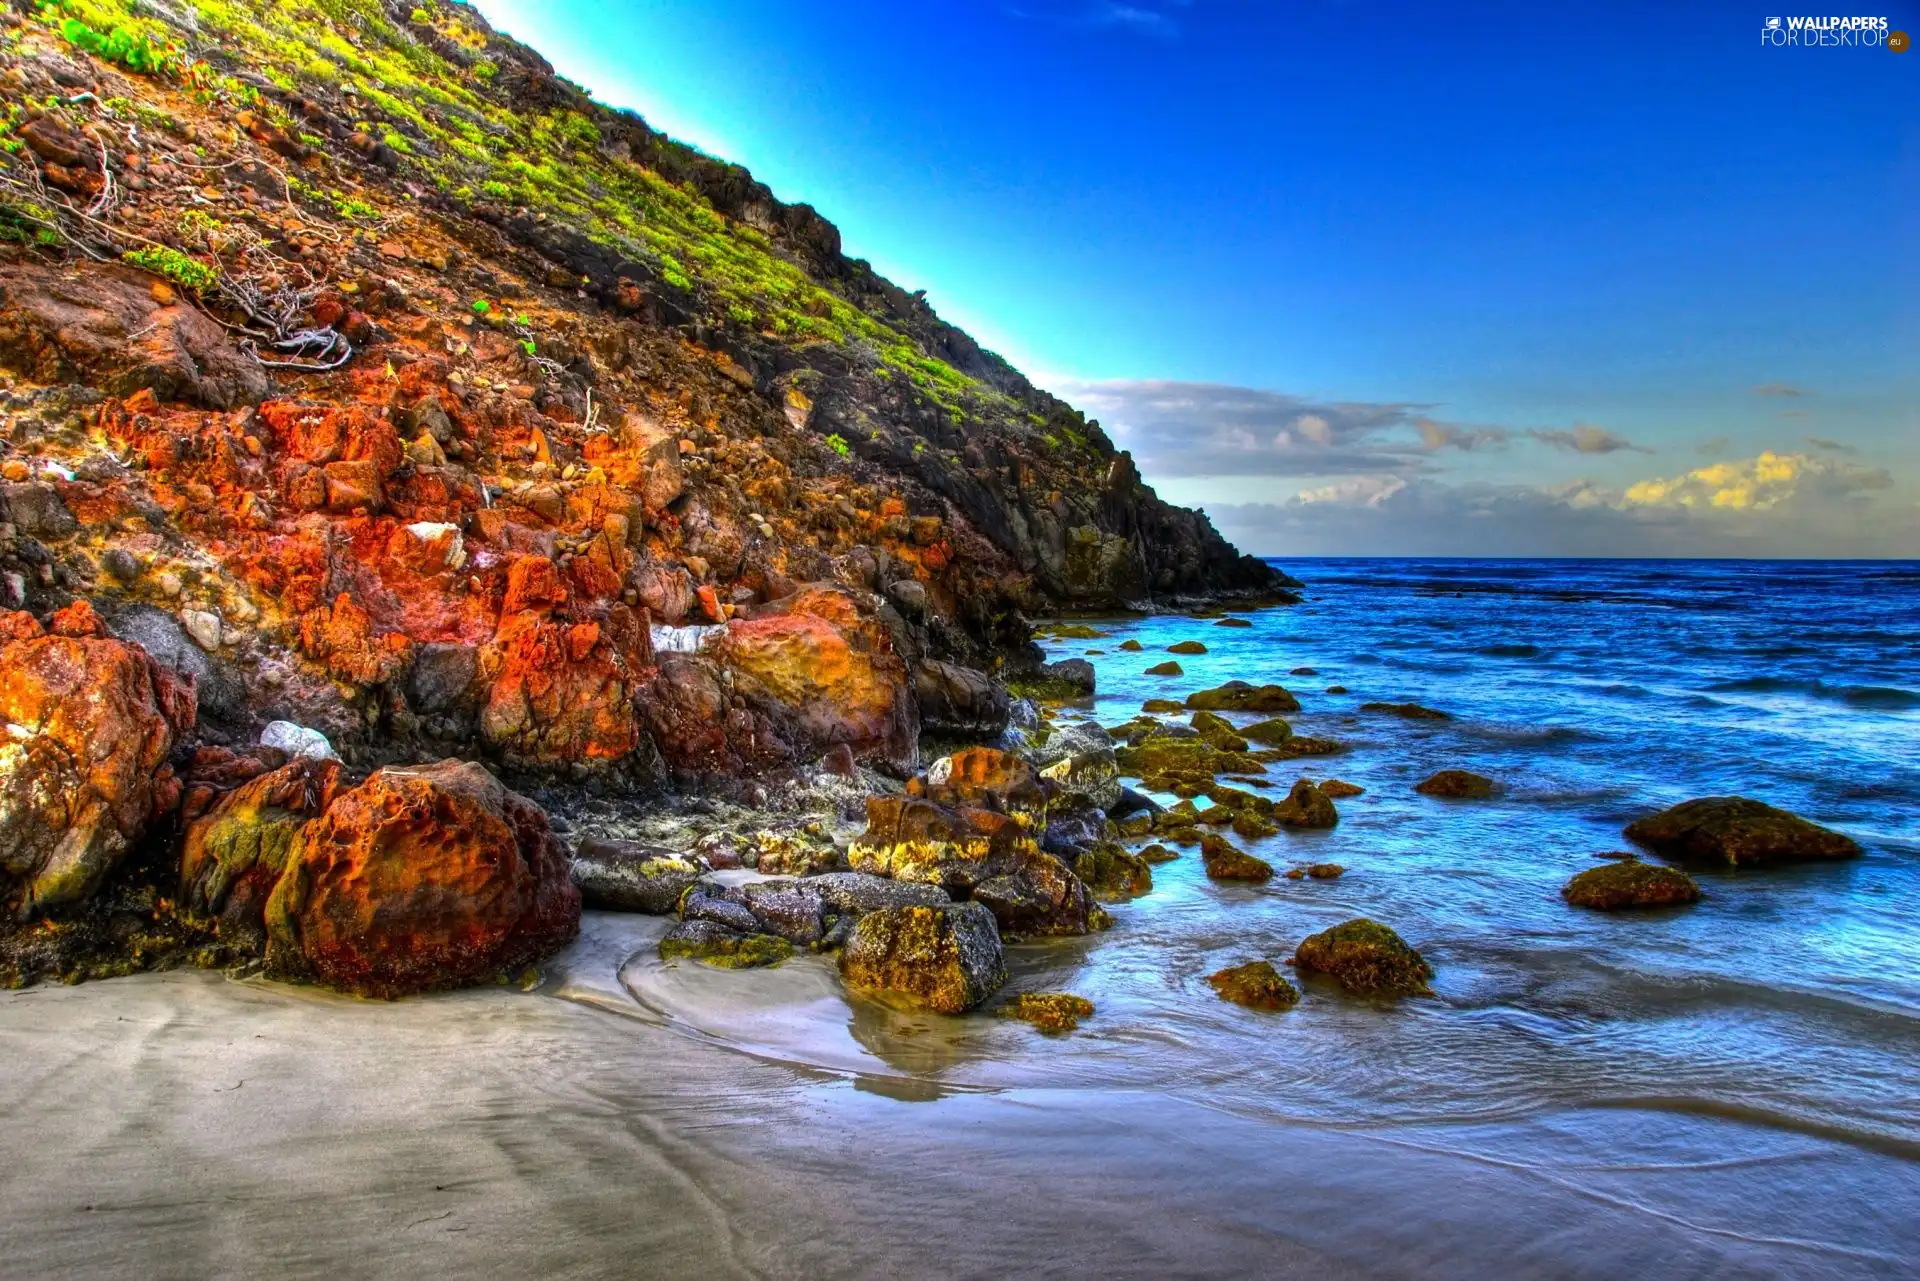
x: 362, y: 374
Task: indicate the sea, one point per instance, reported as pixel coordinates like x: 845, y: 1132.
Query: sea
x: 1747, y: 1067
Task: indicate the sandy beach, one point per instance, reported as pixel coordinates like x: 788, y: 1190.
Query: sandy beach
x: 183, y: 1125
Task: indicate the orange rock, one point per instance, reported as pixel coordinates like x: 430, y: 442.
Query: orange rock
x: 817, y: 690
x: 533, y: 584
x: 710, y: 603
x: 77, y: 620
x: 342, y: 639
x: 421, y: 878
x: 90, y: 723
x: 236, y: 851
x: 561, y: 694
x: 988, y: 778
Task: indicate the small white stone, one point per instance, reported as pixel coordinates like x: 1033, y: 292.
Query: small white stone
x: 203, y: 626
x: 297, y: 740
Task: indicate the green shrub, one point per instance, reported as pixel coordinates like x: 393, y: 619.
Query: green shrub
x: 838, y: 444
x: 170, y: 264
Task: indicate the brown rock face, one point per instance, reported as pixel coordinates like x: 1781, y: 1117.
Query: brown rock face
x: 820, y: 684
x: 421, y: 878
x: 83, y: 761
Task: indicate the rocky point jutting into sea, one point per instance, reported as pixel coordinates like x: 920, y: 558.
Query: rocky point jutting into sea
x: 455, y: 539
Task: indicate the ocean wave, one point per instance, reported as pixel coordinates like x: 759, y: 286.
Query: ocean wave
x: 1879, y: 696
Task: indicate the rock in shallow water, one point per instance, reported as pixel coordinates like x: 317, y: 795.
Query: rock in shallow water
x: 1737, y: 832
x: 1457, y: 785
x: 857, y: 893
x: 1226, y: 862
x: 1630, y: 883
x: 715, y: 944
x: 1256, y: 985
x: 1239, y: 696
x: 1048, y: 1011
x: 946, y: 959
x: 1367, y: 959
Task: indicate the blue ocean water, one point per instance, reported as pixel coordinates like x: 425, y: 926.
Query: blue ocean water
x: 1744, y: 1071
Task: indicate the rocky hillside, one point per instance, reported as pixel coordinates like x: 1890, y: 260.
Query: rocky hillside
x: 369, y: 387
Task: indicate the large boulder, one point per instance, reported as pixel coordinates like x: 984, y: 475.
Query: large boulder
x: 960, y: 700
x: 1041, y: 898
x: 912, y: 838
x: 1734, y: 831
x: 429, y: 877
x: 1366, y: 958
x: 1630, y: 883
x: 89, y: 724
x: 1078, y: 759
x: 1306, y: 806
x: 1457, y: 785
x: 946, y: 959
x: 822, y: 679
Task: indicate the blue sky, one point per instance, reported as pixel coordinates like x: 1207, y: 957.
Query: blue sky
x: 1369, y: 277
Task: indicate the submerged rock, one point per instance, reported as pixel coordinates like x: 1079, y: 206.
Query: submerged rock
x: 1630, y: 883
x: 1239, y: 696
x: 429, y: 877
x: 1737, y: 832
x: 715, y: 944
x: 1457, y: 785
x: 946, y: 959
x: 1340, y: 790
x: 1367, y: 959
x: 1256, y: 985
x: 1168, y: 668
x: 1407, y: 711
x: 627, y: 876
x: 1048, y: 1011
x: 1186, y: 647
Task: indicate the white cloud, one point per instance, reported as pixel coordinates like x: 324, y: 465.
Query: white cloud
x: 1585, y: 438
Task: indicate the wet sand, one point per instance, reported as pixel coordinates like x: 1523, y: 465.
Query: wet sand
x: 182, y: 1125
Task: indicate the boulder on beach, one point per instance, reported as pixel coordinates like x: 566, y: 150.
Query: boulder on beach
x: 1734, y: 831
x: 914, y: 839
x: 627, y: 876
x: 1041, y: 898
x: 1186, y: 647
x: 1457, y: 785
x: 987, y: 778
x: 236, y: 851
x: 1406, y: 711
x: 945, y: 959
x: 1078, y: 760
x: 1256, y: 985
x: 1317, y: 872
x: 1306, y: 806
x: 1048, y: 1011
x: 428, y: 877
x: 960, y: 700
x: 1239, y: 696
x: 83, y: 767
x: 1227, y: 862
x: 1630, y: 883
x: 1168, y: 668
x: 1366, y: 958
x: 857, y: 893
x: 718, y: 945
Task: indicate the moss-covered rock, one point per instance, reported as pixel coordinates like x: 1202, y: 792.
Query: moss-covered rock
x: 1239, y: 696
x: 1048, y: 1011
x: 1158, y: 853
x: 1218, y: 732
x: 1041, y: 898
x: 1457, y: 785
x: 1306, y: 806
x: 1131, y: 646
x: 1227, y: 862
x: 1270, y: 732
x: 716, y: 944
x: 1630, y: 883
x: 1168, y: 668
x: 1114, y: 873
x: 1733, y: 831
x: 946, y: 959
x: 1367, y: 959
x: 1252, y: 826
x: 1256, y: 985
x: 1163, y: 705
x: 1316, y: 871
x: 626, y: 876
x: 1186, y: 647
x: 1340, y: 790
x: 1301, y: 745
x: 1233, y: 622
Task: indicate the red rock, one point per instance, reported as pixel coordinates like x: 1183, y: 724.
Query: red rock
x: 816, y: 689
x: 563, y: 693
x: 236, y: 852
x: 83, y: 759
x: 533, y: 583
x: 423, y: 878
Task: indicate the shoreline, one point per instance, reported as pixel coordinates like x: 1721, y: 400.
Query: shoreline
x: 260, y: 1128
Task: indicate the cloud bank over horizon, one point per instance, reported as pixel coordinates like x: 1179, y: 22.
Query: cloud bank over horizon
x: 1386, y: 479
